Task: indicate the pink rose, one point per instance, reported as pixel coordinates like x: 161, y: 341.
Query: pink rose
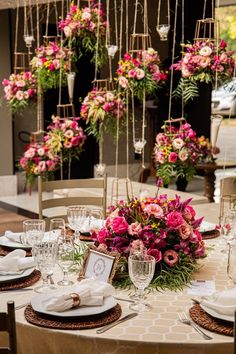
x: 185, y: 231
x: 154, y: 210
x: 123, y: 82
x: 174, y: 219
x: 171, y: 258
x: 23, y: 162
x: 160, y: 157
x: 156, y: 254
x: 172, y: 157
x: 135, y: 228
x: 132, y: 73
x: 119, y: 225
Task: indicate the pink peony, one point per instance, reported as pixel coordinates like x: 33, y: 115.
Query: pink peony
x: 102, y: 235
x: 123, y: 82
x: 171, y: 258
x: 174, y: 219
x: 140, y: 73
x: 189, y: 213
x: 154, y: 210
x: 135, y: 228
x: 119, y: 225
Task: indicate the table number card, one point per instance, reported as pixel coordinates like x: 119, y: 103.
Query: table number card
x: 202, y: 287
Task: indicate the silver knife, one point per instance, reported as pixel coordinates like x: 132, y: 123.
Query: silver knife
x: 123, y: 299
x: 122, y: 319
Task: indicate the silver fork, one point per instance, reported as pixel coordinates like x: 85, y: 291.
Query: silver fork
x: 183, y: 318
x: 21, y: 306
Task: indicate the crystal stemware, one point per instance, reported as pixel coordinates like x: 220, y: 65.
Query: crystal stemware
x: 141, y: 271
x: 45, y: 255
x: 231, y: 266
x: 76, y: 216
x: 65, y: 258
x: 33, y: 230
x: 56, y: 229
x: 228, y: 227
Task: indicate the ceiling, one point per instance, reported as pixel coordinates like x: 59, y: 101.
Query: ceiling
x: 6, y: 4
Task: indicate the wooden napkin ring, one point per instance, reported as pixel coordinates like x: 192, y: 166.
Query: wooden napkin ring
x: 76, y: 299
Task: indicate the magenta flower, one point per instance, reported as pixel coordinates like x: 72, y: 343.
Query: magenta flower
x: 174, y: 219
x: 172, y: 157
x: 156, y: 254
x: 171, y: 258
x: 119, y: 225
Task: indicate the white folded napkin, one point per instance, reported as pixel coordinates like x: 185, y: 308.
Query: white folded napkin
x: 222, y: 302
x: 13, y: 236
x: 15, y: 262
x: 91, y: 223
x: 91, y: 293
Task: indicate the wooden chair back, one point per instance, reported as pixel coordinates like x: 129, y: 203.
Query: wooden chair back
x: 90, y: 191
x: 8, y: 324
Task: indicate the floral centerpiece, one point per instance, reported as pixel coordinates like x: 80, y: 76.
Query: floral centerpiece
x: 65, y: 138
x: 203, y: 61
x: 85, y: 29
x: 20, y: 90
x: 141, y: 73
x: 38, y: 160
x: 176, y: 153
x: 49, y: 61
x: 102, y: 108
x: 166, y: 228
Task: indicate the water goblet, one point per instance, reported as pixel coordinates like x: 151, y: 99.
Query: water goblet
x: 65, y: 258
x: 33, y: 230
x: 45, y: 255
x: 76, y: 216
x: 141, y: 271
x: 56, y: 229
x: 95, y: 219
x: 231, y: 266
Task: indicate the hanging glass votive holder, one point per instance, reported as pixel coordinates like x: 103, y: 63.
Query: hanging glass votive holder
x: 28, y: 38
x: 71, y: 84
x: 139, y: 145
x: 111, y: 50
x: 163, y: 31
x: 100, y: 169
x: 215, y: 126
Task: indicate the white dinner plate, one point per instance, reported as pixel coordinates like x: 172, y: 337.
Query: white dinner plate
x: 207, y: 226
x: 215, y: 314
x: 4, y: 241
x: 9, y: 277
x: 37, y: 303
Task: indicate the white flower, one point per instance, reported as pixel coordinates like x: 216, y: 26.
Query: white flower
x: 178, y: 143
x: 40, y: 151
x: 140, y: 73
x: 109, y: 96
x: 20, y: 95
x: 69, y: 134
x: 183, y: 155
x: 49, y: 52
x: 123, y: 82
x: 67, y: 31
x: 29, y: 154
x: 205, y: 51
x: 86, y: 16
x: 36, y: 170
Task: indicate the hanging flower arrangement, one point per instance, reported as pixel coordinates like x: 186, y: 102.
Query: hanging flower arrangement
x: 38, y: 160
x: 65, y: 138
x: 49, y: 61
x: 141, y: 74
x: 176, y: 153
x: 166, y: 228
x: 102, y: 107
x: 203, y: 61
x: 85, y: 30
x: 20, y: 90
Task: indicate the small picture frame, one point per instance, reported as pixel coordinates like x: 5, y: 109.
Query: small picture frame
x: 99, y: 265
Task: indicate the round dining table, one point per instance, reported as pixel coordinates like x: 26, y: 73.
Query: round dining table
x: 156, y: 332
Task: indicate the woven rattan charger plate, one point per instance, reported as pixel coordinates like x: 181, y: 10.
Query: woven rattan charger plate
x: 86, y: 322
x: 5, y: 250
x: 22, y: 282
x: 213, y: 324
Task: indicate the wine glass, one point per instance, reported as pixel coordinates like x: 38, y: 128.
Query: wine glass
x: 95, y: 219
x: 33, y: 230
x: 231, y: 266
x: 228, y: 227
x: 56, y: 229
x: 45, y: 255
x: 141, y: 271
x: 65, y: 258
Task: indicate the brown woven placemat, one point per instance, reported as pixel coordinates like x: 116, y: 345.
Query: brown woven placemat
x: 22, y: 282
x: 5, y: 250
x: 85, y: 322
x: 210, y: 234
x: 213, y: 324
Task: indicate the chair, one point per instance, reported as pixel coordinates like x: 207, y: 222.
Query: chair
x: 91, y: 191
x: 8, y: 324
x: 227, y: 194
